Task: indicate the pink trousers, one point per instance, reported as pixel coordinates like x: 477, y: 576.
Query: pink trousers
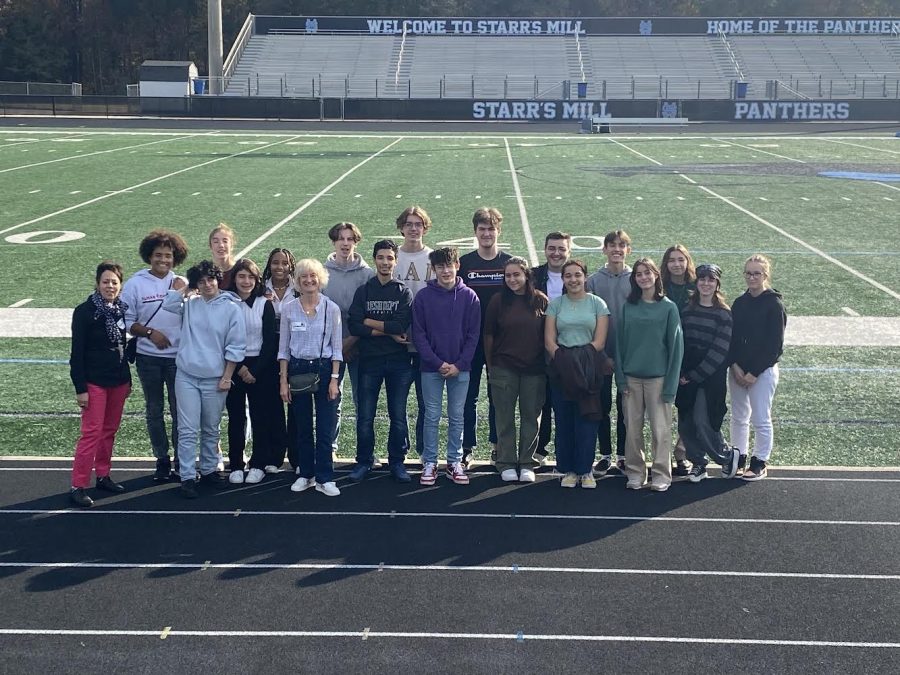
x: 99, y: 424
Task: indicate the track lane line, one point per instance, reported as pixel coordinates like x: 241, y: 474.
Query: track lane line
x: 140, y: 185
x: 284, y: 221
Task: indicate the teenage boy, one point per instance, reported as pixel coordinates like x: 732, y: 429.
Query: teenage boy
x: 414, y: 270
x: 446, y: 330
x: 548, y: 279
x: 482, y: 271
x: 612, y: 283
x: 380, y: 317
x: 347, y: 271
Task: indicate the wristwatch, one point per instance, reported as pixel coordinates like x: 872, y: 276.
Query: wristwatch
x: 335, y: 376
x: 149, y: 332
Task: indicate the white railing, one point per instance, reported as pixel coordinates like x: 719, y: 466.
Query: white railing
x: 237, y: 49
x: 731, y: 55
x: 580, y: 58
x: 400, y: 57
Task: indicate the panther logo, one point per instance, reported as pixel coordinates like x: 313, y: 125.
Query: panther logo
x: 668, y: 109
x: 646, y: 27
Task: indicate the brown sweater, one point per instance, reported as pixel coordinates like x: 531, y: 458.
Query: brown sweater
x: 518, y: 334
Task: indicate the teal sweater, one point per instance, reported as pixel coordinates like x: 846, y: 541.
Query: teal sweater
x: 650, y: 344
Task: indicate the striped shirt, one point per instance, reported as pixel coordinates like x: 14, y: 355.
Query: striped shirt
x: 305, y: 337
x: 707, y: 337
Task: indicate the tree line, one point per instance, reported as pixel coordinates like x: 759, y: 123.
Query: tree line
x: 101, y: 43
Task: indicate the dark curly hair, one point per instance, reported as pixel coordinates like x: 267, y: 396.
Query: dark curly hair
x: 165, y: 238
x: 247, y: 265
x: 204, y: 268
x: 267, y: 272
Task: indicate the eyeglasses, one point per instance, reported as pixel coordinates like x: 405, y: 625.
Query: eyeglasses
x: 413, y: 224
x: 753, y: 275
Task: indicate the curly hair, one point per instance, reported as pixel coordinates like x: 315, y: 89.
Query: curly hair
x: 165, y: 239
x: 204, y: 268
x: 267, y: 272
x: 247, y: 265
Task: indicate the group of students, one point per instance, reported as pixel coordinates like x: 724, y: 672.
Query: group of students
x: 551, y: 340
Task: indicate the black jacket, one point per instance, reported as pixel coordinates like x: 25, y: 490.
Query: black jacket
x: 390, y: 303
x: 757, y: 335
x: 579, y: 372
x: 539, y: 276
x: 93, y: 359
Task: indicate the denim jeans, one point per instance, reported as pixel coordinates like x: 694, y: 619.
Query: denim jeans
x: 575, y: 436
x: 353, y: 369
x: 420, y: 406
x: 156, y: 374
x: 200, y: 406
x: 397, y: 375
x: 470, y: 440
x: 315, y: 412
x: 433, y: 393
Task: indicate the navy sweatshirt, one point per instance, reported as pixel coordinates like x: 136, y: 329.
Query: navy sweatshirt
x: 390, y: 303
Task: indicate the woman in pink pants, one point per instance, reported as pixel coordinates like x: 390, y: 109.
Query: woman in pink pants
x: 102, y: 380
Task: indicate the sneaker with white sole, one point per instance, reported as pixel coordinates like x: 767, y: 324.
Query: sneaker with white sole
x: 509, y: 476
x: 756, y: 471
x: 697, y: 473
x: 255, y: 476
x: 634, y: 485
x: 302, y: 484
x: 570, y: 480
x: 329, y: 489
x: 526, y: 476
x: 540, y: 458
x: 236, y: 477
x: 429, y: 474
x: 271, y: 468
x: 659, y: 487
x: 457, y: 473
x: 588, y: 481
x: 603, y: 465
x: 220, y: 465
x: 730, y: 467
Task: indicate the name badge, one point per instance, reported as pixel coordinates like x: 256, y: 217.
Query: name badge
x: 298, y: 326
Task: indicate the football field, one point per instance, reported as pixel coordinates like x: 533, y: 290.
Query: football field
x: 72, y: 197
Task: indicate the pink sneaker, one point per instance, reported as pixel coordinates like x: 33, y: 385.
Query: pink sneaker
x: 429, y: 474
x: 457, y: 473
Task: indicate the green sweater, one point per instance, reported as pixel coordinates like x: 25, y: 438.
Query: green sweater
x: 650, y: 344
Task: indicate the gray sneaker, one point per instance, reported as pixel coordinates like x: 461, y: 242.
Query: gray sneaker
x: 730, y: 467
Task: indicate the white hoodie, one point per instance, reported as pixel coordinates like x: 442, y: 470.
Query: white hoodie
x: 144, y: 294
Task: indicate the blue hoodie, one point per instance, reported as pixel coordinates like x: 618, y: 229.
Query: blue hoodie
x: 211, y: 332
x: 446, y: 325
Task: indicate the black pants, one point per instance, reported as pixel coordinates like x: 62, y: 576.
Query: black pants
x: 701, y: 409
x: 545, y: 431
x: 604, y: 434
x: 266, y: 416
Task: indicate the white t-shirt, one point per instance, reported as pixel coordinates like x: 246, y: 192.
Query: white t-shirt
x: 554, y: 284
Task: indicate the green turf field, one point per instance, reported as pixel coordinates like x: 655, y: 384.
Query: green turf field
x: 69, y: 198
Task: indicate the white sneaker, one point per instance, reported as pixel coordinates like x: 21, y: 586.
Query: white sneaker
x: 328, y: 488
x: 297, y: 471
x: 236, y: 477
x: 220, y: 466
x: 255, y: 476
x: 376, y: 463
x: 302, y: 484
x: 509, y: 476
x: 271, y: 468
x: 526, y: 476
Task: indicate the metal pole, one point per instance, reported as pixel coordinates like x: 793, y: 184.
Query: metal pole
x: 214, y: 27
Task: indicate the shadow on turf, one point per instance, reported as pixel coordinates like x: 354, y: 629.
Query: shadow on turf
x: 392, y: 538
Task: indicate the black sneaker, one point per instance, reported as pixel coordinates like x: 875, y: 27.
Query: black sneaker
x: 189, y: 489
x: 681, y: 469
x: 619, y: 468
x: 757, y: 470
x: 467, y: 459
x: 697, y: 473
x: 742, y: 464
x: 80, y: 498
x: 730, y: 467
x: 214, y: 479
x: 603, y: 465
x: 163, y: 470
x: 109, y: 485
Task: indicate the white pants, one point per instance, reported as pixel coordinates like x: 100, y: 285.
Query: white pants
x: 753, y: 405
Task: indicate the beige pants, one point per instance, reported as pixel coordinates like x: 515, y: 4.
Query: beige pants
x: 645, y: 399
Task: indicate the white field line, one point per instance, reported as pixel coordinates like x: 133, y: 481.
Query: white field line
x: 765, y: 152
x: 523, y: 214
x: 284, y: 221
x: 21, y: 303
x: 25, y: 142
x: 857, y: 145
x: 784, y: 233
x: 101, y: 152
x: 368, y: 634
x: 441, y: 514
x: 138, y: 186
x: 892, y: 187
x: 515, y: 569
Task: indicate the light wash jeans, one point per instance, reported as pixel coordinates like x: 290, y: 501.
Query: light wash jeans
x: 433, y: 393
x: 200, y: 407
x: 753, y: 405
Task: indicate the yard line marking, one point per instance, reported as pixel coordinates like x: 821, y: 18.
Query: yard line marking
x: 407, y: 635
x: 805, y: 199
x: 688, y: 179
x: 523, y: 214
x: 888, y: 199
x: 849, y: 311
x: 797, y: 240
x: 442, y: 514
x: 22, y: 302
x: 135, y: 187
x: 103, y: 152
x: 33, y: 192
x: 75, y: 192
x: 515, y: 569
x: 284, y: 221
x: 766, y: 152
x: 846, y: 199
x: 681, y: 199
x: 892, y: 187
x: 639, y: 154
x: 857, y: 145
x: 24, y: 141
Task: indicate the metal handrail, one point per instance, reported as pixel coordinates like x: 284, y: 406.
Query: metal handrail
x: 731, y: 54
x: 237, y: 49
x: 400, y: 57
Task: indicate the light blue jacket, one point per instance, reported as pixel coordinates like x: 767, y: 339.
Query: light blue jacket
x: 211, y: 332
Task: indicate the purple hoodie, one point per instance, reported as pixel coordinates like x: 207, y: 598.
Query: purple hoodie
x: 446, y: 325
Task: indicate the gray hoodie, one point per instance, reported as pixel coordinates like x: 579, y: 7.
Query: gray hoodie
x: 343, y: 280
x: 211, y: 332
x: 614, y: 290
